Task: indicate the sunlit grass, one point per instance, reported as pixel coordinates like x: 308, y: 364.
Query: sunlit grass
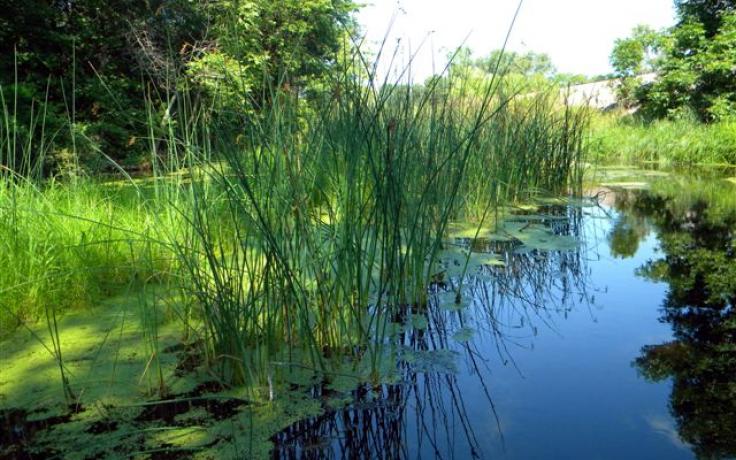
x: 297, y: 237
x: 617, y: 139
x: 70, y: 246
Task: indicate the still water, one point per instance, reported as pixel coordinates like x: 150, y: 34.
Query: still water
x: 623, y: 346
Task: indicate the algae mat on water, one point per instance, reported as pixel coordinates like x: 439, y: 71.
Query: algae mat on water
x: 118, y: 410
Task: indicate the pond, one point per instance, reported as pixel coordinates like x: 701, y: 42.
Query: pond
x: 623, y: 347
x: 600, y: 328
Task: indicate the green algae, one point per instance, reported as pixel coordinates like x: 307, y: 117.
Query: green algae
x: 624, y: 174
x: 630, y: 185
x: 537, y: 218
x: 580, y: 202
x: 104, y: 355
x: 467, y: 230
x: 113, y: 366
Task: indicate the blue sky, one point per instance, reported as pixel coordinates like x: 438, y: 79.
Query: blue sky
x: 577, y: 34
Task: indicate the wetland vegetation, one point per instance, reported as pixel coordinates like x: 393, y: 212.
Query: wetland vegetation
x: 247, y: 242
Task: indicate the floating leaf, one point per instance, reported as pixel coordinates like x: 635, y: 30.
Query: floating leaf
x: 539, y: 237
x: 447, y: 301
x: 442, y: 361
x: 453, y: 260
x: 464, y: 334
x: 419, y: 322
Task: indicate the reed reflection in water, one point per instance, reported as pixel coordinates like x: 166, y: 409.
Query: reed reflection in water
x: 427, y: 413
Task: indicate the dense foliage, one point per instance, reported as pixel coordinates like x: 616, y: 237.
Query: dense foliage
x: 695, y: 61
x: 95, y: 73
x: 86, y: 68
x: 513, y: 72
x: 634, y: 56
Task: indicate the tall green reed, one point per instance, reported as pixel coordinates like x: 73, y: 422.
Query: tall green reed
x: 323, y: 226
x: 301, y: 236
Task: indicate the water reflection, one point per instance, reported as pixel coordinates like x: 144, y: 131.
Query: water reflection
x: 629, y: 228
x: 424, y: 413
x: 697, y: 235
x: 429, y: 413
x: 455, y: 396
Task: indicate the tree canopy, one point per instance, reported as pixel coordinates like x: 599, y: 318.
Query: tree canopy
x: 695, y: 61
x: 95, y: 70
x: 706, y: 12
x: 510, y: 62
x: 529, y: 71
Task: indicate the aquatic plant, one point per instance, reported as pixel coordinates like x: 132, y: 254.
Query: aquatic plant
x: 319, y: 227
x: 297, y: 236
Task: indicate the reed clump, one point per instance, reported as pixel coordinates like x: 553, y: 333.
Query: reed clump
x: 303, y: 235
x: 319, y: 231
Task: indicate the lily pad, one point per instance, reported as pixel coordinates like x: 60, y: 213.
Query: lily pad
x: 464, y: 334
x: 447, y: 301
x: 441, y: 361
x: 539, y: 237
x: 453, y: 260
x: 419, y: 322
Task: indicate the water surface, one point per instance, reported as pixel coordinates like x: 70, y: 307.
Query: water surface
x: 623, y: 346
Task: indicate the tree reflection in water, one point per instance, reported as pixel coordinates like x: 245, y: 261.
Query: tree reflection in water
x: 697, y: 235
x: 426, y: 413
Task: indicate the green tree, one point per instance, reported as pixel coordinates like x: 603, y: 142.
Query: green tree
x: 695, y: 61
x: 520, y: 72
x: 510, y: 62
x: 91, y: 63
x: 100, y: 66
x: 705, y: 12
x: 638, y: 53
x: 262, y: 45
x: 634, y: 56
